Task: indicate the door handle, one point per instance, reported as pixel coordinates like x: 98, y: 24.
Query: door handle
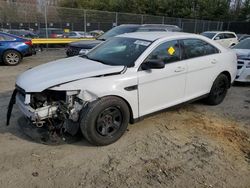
x: 179, y: 69
x: 214, y: 61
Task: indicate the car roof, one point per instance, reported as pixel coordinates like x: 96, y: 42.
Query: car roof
x: 11, y: 35
x: 152, y: 36
x: 219, y: 32
x: 159, y: 25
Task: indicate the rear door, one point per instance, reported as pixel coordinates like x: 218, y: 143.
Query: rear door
x: 201, y: 58
x: 230, y: 39
x: 220, y: 38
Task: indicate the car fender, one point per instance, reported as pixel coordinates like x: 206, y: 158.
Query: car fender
x: 227, y: 65
x: 121, y: 85
x: 14, y: 50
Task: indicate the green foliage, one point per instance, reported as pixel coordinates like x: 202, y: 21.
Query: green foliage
x: 200, y: 9
x: 244, y: 13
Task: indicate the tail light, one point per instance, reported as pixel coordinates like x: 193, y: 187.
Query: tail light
x: 29, y: 42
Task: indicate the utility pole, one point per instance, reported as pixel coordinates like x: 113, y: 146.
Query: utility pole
x: 45, y: 18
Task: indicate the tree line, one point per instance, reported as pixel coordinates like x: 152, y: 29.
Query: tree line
x: 196, y: 9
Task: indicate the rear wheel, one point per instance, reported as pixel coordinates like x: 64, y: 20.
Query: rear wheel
x: 104, y: 121
x: 11, y: 57
x: 219, y: 90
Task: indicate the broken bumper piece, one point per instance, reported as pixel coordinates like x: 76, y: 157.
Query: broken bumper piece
x: 42, y: 135
x: 35, y: 114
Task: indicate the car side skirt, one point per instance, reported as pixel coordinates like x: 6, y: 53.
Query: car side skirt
x: 166, y: 109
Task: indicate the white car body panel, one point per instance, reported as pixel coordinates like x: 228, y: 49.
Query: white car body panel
x: 168, y: 86
x: 178, y: 82
x: 60, y: 71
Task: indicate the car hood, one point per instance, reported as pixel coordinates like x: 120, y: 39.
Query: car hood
x: 243, y: 53
x: 62, y: 71
x: 85, y: 44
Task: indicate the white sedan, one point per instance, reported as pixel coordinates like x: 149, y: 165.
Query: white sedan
x: 77, y: 35
x: 123, y: 80
x: 243, y: 53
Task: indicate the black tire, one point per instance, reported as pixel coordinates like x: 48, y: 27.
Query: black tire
x: 219, y: 90
x: 105, y: 120
x: 12, y: 57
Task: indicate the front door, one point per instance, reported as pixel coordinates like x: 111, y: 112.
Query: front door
x: 162, y: 88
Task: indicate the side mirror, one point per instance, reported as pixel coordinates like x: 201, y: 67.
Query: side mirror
x: 217, y: 38
x: 153, y: 64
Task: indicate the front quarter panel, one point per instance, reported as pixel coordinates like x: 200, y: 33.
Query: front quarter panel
x: 113, y: 85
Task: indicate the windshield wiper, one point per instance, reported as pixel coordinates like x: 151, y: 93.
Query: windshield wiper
x: 84, y: 56
x: 87, y: 57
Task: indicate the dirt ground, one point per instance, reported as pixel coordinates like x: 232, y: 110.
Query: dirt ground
x: 194, y: 145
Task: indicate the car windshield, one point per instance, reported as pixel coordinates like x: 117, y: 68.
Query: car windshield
x: 245, y: 44
x: 119, y: 51
x: 117, y: 31
x: 209, y: 35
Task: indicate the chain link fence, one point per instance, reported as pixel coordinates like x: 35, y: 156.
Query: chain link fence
x: 37, y: 16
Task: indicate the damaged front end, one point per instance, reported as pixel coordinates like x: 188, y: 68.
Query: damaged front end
x: 54, y: 113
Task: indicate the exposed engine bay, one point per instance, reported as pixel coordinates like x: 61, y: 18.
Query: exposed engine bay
x: 58, y: 112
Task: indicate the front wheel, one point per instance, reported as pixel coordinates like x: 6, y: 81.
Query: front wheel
x: 11, y: 57
x: 104, y: 121
x: 218, y: 91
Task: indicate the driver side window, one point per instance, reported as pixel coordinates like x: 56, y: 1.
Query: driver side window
x: 167, y: 52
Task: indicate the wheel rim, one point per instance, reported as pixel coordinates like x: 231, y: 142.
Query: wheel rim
x: 12, y: 58
x: 220, y: 89
x: 109, y: 121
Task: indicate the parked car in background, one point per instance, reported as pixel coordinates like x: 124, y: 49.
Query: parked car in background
x: 23, y: 33
x: 242, y: 36
x: 224, y: 38
x: 243, y: 53
x: 52, y: 33
x: 122, y: 80
x: 81, y: 47
x: 77, y: 35
x: 96, y: 33
x: 14, y: 48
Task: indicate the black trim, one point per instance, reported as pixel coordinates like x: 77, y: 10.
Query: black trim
x: 10, y: 107
x: 131, y: 88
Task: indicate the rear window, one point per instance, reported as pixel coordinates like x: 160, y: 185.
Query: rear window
x: 229, y: 35
x: 208, y: 35
x: 118, y: 31
x: 6, y: 38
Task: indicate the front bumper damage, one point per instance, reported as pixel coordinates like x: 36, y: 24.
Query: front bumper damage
x: 48, y: 118
x: 36, y: 115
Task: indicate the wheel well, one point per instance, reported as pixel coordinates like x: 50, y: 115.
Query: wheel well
x: 131, y: 118
x: 227, y: 74
x: 14, y: 50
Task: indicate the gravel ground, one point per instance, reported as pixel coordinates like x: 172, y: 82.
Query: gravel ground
x: 194, y: 145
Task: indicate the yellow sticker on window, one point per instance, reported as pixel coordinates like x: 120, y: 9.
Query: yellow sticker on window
x: 171, y: 51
